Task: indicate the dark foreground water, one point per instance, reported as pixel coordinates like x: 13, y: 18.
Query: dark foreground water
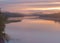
x: 33, y: 31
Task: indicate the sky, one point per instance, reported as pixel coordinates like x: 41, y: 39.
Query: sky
x: 30, y: 6
x: 27, y: 0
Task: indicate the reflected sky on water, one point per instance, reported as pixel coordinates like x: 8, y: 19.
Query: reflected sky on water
x: 34, y: 31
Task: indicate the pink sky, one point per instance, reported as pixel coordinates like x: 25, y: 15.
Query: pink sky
x: 29, y: 7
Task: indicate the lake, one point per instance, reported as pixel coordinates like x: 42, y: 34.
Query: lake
x: 33, y: 31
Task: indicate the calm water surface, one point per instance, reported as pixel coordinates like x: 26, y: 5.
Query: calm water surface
x: 33, y: 31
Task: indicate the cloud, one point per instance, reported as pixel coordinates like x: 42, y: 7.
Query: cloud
x: 29, y: 0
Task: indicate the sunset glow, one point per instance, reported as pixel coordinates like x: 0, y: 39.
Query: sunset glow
x: 29, y: 21
x: 28, y: 7
x: 56, y: 8
x: 41, y: 3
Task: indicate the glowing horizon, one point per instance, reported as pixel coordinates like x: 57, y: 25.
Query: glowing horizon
x: 33, y: 6
x: 52, y: 8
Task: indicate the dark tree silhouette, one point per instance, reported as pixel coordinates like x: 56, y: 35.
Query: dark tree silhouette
x: 2, y: 26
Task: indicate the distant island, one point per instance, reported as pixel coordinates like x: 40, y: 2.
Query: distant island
x: 16, y: 17
x: 10, y: 14
x: 54, y: 17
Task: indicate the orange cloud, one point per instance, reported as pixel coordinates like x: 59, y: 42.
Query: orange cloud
x: 52, y: 8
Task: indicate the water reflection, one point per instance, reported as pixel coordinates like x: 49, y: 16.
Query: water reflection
x: 31, y: 24
x: 3, y: 20
x: 34, y: 31
x: 56, y: 20
x: 28, y: 28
